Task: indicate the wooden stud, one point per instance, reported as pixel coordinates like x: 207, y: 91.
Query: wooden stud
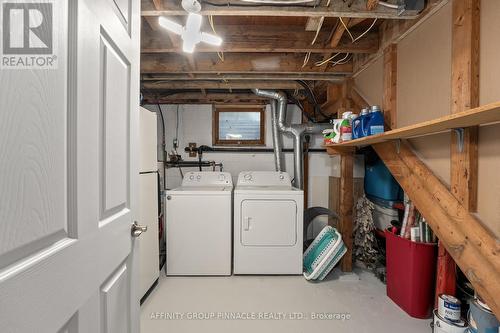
x: 465, y: 95
x: 474, y: 248
x: 390, y: 85
x: 346, y: 208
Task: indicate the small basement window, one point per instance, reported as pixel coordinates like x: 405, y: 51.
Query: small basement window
x: 239, y: 126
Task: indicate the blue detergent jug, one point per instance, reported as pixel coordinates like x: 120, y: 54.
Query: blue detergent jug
x: 359, y: 123
x: 364, y: 124
x: 375, y: 123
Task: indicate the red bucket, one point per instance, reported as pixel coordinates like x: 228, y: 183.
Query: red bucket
x: 411, y: 274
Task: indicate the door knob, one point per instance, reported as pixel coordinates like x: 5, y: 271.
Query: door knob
x: 138, y: 229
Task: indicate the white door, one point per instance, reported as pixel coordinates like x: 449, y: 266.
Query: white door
x: 68, y: 165
x: 268, y: 222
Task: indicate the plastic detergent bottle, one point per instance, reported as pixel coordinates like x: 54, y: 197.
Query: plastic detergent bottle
x: 328, y: 135
x: 375, y: 123
x: 346, y: 127
x: 358, y: 124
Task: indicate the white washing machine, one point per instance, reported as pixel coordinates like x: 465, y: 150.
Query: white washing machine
x: 268, y: 220
x: 198, y: 225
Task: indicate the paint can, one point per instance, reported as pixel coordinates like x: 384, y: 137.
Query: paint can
x: 482, y: 319
x: 442, y: 325
x: 449, y: 307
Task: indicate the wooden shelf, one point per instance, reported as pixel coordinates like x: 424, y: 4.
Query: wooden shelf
x: 485, y: 114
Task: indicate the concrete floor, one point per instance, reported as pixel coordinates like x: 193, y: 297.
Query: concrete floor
x: 348, y: 303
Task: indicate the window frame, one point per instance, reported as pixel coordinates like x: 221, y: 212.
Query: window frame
x: 217, y: 109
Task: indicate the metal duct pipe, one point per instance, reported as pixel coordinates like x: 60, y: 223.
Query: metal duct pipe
x: 296, y: 130
x: 277, y: 141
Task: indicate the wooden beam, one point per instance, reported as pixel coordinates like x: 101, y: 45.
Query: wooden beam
x: 329, y: 77
x: 346, y: 206
x: 219, y: 84
x: 346, y: 103
x: 339, y: 32
x: 393, y: 31
x: 261, y: 38
x: 475, y: 249
x: 200, y: 98
x: 390, y: 85
x: 464, y: 95
x: 235, y: 63
x: 353, y: 8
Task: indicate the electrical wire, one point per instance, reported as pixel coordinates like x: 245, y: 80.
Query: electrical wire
x: 320, y: 24
x: 318, y: 29
x: 310, y: 93
x: 306, y: 59
x: 334, y: 63
x: 353, y: 40
x: 360, y: 36
x: 220, y: 54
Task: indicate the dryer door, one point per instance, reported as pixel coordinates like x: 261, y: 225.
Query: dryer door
x: 268, y: 223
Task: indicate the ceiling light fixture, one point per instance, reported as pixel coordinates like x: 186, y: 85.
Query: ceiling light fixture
x: 190, y: 34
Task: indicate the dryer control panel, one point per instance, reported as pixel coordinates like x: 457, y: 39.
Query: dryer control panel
x: 264, y: 178
x: 207, y: 178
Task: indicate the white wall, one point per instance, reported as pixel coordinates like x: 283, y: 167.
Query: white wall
x: 195, y: 125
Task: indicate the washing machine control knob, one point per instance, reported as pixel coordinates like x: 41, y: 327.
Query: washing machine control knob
x: 248, y: 177
x: 198, y: 177
x: 191, y: 177
x: 282, y: 177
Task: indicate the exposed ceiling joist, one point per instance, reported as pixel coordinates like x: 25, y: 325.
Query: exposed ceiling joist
x: 236, y: 63
x: 200, y: 98
x: 239, y: 84
x: 332, y: 77
x: 252, y: 39
x: 336, y: 9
